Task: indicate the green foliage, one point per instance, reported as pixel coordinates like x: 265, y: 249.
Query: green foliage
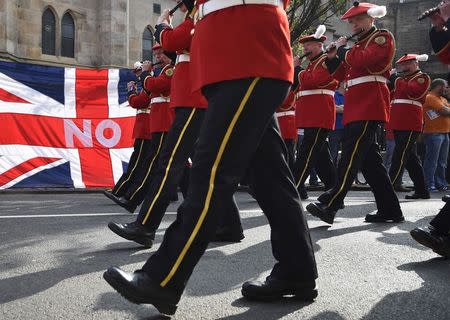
x: 305, y: 15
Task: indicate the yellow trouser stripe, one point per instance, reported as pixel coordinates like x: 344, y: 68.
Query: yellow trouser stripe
x: 403, y: 157
x: 350, y: 164
x: 151, y: 166
x: 309, y: 157
x: 132, y: 170
x: 211, y: 184
x: 169, y: 165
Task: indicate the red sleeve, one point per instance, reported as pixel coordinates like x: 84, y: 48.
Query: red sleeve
x: 160, y: 84
x: 318, y: 78
x: 139, y: 101
x: 340, y: 72
x: 418, y: 87
x: 377, y: 55
x: 179, y: 38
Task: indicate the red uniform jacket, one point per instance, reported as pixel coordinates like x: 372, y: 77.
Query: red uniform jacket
x: 159, y: 87
x: 179, y: 40
x: 286, y: 117
x: 141, y: 102
x: 408, y: 116
x: 369, y: 56
x: 241, y: 42
x: 316, y: 110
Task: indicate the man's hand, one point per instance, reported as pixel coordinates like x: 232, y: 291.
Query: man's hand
x: 342, y: 41
x: 131, y: 86
x: 444, y: 8
x: 165, y: 17
x: 146, y: 66
x: 331, y: 51
x: 437, y: 21
x: 296, y: 61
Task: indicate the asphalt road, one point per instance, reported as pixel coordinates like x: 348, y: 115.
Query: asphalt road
x: 55, y: 247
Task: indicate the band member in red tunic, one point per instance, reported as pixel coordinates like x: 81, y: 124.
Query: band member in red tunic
x: 315, y: 112
x: 365, y: 67
x: 239, y: 131
x: 157, y: 88
x: 409, y: 89
x: 440, y: 32
x: 189, y: 110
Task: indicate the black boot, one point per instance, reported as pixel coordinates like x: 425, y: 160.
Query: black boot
x: 431, y: 238
x: 273, y: 289
x: 321, y: 211
x: 425, y: 195
x: 133, y: 231
x: 140, y: 289
x: 379, y: 217
x: 121, y: 201
x: 446, y: 198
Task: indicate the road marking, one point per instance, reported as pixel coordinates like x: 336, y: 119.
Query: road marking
x: 64, y: 215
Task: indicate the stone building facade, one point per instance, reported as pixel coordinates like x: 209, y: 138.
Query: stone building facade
x: 411, y: 35
x: 108, y: 33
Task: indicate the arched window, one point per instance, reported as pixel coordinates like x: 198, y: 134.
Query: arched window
x: 48, y: 32
x: 68, y: 36
x: 147, y: 44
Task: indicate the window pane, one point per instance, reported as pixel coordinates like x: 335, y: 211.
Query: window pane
x: 48, y: 32
x: 67, y: 36
x: 147, y: 44
x: 157, y: 8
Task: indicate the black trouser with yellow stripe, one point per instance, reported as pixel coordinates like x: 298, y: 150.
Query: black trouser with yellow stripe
x: 314, y: 152
x: 442, y: 220
x: 360, y: 151
x: 136, y: 166
x: 239, y: 132
x: 290, y: 145
x: 138, y: 187
x: 405, y: 156
x: 178, y: 147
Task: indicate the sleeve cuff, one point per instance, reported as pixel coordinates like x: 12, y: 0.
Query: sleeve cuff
x: 158, y: 30
x: 341, y: 51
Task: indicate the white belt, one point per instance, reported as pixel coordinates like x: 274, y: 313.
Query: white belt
x: 316, y: 91
x: 159, y: 100
x: 185, y: 57
x: 286, y: 113
x: 407, y: 101
x: 139, y: 111
x: 354, y: 82
x: 216, y: 5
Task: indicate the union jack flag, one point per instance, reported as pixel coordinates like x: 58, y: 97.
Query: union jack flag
x: 63, y: 127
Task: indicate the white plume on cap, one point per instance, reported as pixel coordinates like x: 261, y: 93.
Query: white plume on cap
x: 137, y: 65
x: 422, y: 57
x: 320, y: 31
x: 377, y: 12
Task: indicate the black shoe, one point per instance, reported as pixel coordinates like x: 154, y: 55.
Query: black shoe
x: 429, y: 237
x: 271, y: 290
x: 378, y: 217
x: 109, y: 195
x: 320, y: 211
x: 140, y: 289
x: 125, y: 203
x: 341, y: 206
x: 227, y: 235
x: 418, y: 196
x: 133, y: 231
x: 401, y: 188
x: 446, y: 198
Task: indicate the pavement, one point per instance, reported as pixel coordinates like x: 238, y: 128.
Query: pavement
x: 55, y: 247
